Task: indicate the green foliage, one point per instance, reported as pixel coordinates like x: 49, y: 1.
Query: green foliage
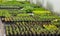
x: 42, y: 12
x: 10, y: 3
x: 4, y: 13
x: 51, y: 28
x: 31, y: 24
x: 22, y: 15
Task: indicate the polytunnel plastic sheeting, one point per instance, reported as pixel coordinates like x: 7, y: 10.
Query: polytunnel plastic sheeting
x: 49, y: 6
x: 39, y: 2
x: 44, y: 3
x: 33, y: 1
x: 28, y: 0
x: 54, y: 5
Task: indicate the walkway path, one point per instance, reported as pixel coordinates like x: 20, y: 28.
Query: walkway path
x: 2, y: 30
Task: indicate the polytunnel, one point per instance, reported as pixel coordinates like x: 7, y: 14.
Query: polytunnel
x: 29, y: 17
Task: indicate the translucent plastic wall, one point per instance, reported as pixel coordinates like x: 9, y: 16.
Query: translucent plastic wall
x: 33, y: 1
x: 54, y: 5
